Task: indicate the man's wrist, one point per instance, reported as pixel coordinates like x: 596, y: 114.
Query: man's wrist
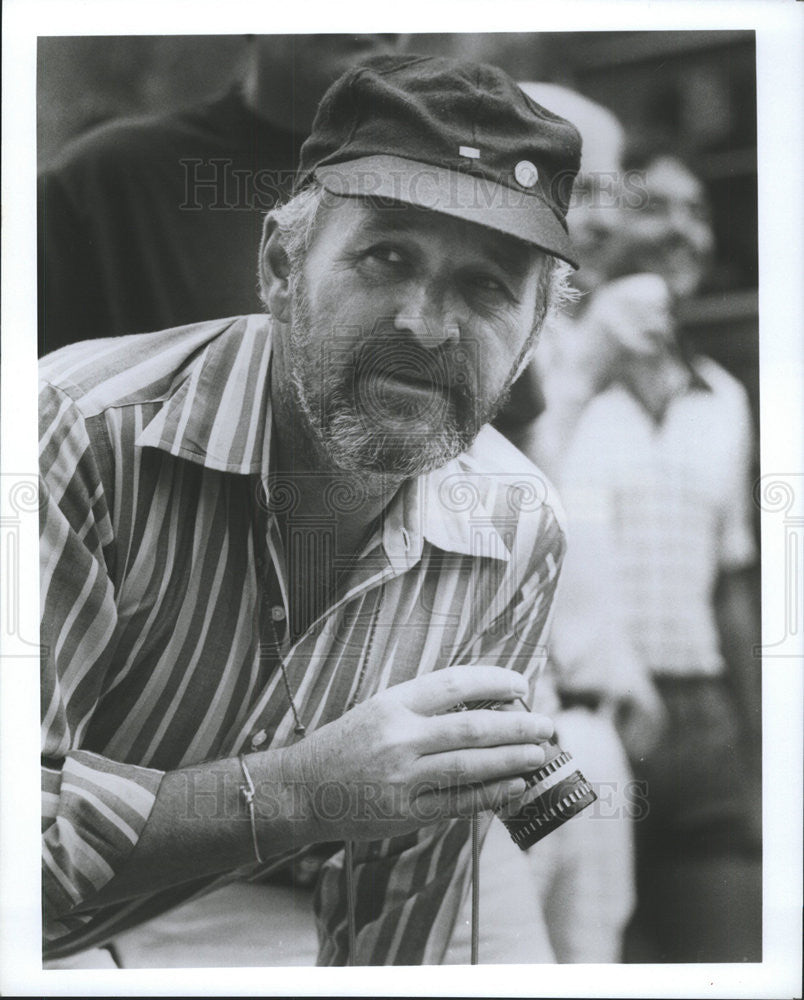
x: 284, y: 805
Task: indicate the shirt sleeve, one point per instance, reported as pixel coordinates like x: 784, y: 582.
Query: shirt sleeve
x: 409, y: 890
x: 93, y: 809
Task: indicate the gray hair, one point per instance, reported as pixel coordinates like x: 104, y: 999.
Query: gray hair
x: 297, y: 219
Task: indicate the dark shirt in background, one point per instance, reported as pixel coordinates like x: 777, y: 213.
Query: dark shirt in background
x: 154, y: 222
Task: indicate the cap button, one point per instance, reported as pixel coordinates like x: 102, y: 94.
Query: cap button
x: 526, y: 173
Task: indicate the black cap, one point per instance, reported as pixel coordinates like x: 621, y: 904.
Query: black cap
x: 459, y: 138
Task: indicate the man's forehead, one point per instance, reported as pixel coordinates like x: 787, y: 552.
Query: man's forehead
x: 387, y: 218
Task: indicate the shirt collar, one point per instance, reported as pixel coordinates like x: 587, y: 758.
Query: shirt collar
x: 452, y: 508
x: 219, y: 416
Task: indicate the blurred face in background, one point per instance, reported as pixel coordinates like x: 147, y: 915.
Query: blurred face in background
x: 664, y: 228
x: 593, y: 216
x: 594, y: 221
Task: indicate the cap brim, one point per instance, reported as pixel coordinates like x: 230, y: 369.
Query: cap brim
x: 465, y: 196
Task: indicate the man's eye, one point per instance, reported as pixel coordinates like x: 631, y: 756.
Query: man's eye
x: 386, y: 254
x: 484, y: 281
x: 487, y: 285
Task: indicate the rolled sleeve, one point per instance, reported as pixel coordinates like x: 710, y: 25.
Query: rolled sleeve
x: 93, y: 809
x: 93, y: 813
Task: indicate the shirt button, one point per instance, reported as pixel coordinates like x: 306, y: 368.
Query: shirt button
x: 258, y: 739
x: 278, y: 613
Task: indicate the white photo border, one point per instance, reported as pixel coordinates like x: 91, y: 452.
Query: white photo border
x: 779, y: 32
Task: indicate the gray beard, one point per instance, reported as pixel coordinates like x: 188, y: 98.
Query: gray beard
x: 352, y: 427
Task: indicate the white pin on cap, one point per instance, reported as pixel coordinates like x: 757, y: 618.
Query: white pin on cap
x: 526, y: 173
x: 469, y: 151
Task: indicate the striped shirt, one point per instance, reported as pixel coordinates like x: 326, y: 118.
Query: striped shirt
x: 158, y: 579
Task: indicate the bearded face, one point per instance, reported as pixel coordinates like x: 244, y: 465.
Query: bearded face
x: 406, y: 331
x: 383, y: 403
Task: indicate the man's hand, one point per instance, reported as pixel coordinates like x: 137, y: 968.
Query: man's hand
x: 640, y: 717
x: 631, y: 319
x: 631, y: 316
x: 397, y: 762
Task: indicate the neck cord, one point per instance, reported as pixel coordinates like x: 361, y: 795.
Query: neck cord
x: 350, y: 902
x: 351, y: 906
x: 475, y: 890
x: 300, y: 730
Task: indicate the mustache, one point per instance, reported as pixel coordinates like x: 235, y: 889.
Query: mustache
x: 371, y: 378
x: 447, y: 367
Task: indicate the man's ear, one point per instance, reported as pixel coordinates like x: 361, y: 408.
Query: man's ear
x: 274, y: 272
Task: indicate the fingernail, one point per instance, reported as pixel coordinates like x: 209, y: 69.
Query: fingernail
x: 535, y: 756
x: 519, y: 686
x: 515, y: 787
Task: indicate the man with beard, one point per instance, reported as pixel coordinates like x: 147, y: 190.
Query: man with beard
x: 277, y: 551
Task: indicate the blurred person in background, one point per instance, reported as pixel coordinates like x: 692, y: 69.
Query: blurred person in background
x: 651, y: 447
x: 582, y: 876
x: 153, y: 222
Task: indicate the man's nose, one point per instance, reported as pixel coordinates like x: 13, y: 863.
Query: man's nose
x: 428, y: 315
